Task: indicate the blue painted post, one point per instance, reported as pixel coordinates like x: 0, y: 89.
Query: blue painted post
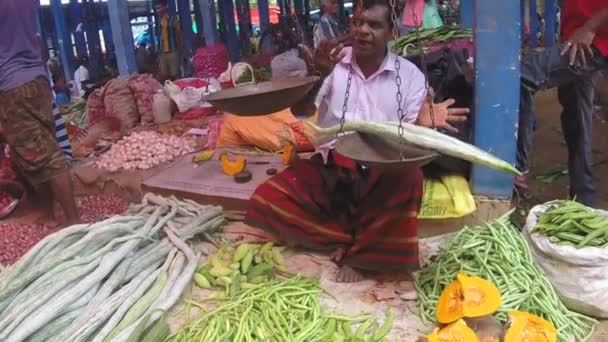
x: 198, y: 16
x: 231, y: 36
x: 497, y: 53
x: 466, y: 13
x: 244, y: 15
x: 122, y: 36
x: 222, y: 21
x: 151, y: 26
x: 171, y: 8
x: 209, y: 25
x: 522, y: 4
x: 63, y: 39
x: 264, y: 13
x: 81, y: 44
x: 43, y: 34
x: 185, y: 17
x: 92, y: 29
x: 550, y: 22
x: 533, y: 24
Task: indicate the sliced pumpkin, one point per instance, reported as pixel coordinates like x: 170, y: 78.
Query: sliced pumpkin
x: 526, y: 327
x: 449, y: 306
x: 481, y: 297
x: 232, y: 167
x: 455, y: 332
x: 467, y: 297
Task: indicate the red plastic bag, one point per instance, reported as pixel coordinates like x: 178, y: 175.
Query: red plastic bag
x: 210, y: 61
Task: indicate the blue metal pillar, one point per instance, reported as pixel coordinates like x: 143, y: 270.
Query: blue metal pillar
x: 151, y: 29
x: 264, y: 13
x: 75, y: 15
x: 171, y: 7
x: 198, y: 16
x: 122, y: 36
x: 64, y: 39
x: 209, y: 26
x: 185, y: 17
x: 533, y: 24
x: 244, y: 15
x: 230, y: 25
x: 466, y: 13
x: 43, y: 35
x: 92, y: 30
x: 497, y: 53
x: 551, y: 28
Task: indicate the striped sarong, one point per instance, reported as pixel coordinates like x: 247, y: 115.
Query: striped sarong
x: 369, y: 212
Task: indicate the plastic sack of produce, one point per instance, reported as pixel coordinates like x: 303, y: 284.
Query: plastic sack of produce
x: 447, y: 197
x: 210, y: 61
x: 579, y: 275
x: 188, y: 94
x: 144, y: 86
x: 119, y: 102
x: 95, y: 107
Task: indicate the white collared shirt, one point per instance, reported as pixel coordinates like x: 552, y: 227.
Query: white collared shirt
x: 373, y: 99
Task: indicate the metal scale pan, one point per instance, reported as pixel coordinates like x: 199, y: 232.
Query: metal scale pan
x: 262, y: 98
x: 372, y: 152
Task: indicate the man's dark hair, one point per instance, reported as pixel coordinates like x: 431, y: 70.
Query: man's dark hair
x: 367, y: 4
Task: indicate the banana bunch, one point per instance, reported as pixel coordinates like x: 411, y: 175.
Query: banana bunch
x: 240, y: 268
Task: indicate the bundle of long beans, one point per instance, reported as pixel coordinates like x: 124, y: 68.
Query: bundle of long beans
x: 97, y: 282
x: 413, y: 43
x: 498, y: 252
x: 280, y: 311
x: 573, y: 224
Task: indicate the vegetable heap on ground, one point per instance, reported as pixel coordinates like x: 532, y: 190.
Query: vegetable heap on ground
x: 573, y: 224
x: 421, y: 137
x: 144, y: 150
x: 280, y: 311
x: 497, y: 252
x: 413, y: 43
x: 103, y: 281
x: 241, y: 268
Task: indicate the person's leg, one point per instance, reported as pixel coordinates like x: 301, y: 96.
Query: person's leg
x: 175, y: 65
x: 576, y: 99
x: 30, y: 131
x: 164, y: 65
x: 543, y: 70
x: 386, y: 225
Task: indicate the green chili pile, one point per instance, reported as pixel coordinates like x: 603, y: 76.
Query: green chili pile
x: 498, y: 252
x: 280, y: 311
x: 573, y: 224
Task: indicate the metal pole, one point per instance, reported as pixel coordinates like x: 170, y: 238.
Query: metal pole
x: 550, y: 22
x: 264, y: 13
x: 209, y: 25
x: 244, y: 16
x: 231, y: 37
x: 63, y: 39
x: 497, y: 52
x: 122, y: 36
x: 185, y: 17
x: 81, y: 44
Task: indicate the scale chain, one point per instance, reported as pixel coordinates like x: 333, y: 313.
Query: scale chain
x: 399, y: 95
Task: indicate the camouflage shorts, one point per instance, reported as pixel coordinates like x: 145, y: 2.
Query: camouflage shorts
x: 26, y: 116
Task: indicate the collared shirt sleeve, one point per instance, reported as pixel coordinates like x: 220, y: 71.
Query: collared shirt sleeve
x: 415, y: 91
x: 324, y: 94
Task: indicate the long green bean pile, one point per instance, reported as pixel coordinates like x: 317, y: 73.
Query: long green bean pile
x: 413, y: 43
x: 573, y: 224
x: 99, y: 282
x: 280, y: 311
x: 498, y: 252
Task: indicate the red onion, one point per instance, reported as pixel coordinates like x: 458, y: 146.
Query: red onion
x: 17, y: 239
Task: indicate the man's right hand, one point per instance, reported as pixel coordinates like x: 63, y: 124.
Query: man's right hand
x: 327, y: 55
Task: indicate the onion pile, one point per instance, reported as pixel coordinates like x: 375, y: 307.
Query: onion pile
x: 144, y: 150
x: 5, y: 199
x: 17, y: 239
x: 98, y: 207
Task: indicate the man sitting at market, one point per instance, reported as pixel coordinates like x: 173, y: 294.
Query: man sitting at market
x: 367, y: 217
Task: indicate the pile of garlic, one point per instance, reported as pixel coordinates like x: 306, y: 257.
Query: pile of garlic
x: 144, y: 150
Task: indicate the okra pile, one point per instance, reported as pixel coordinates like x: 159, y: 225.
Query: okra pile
x: 280, y: 311
x: 241, y: 268
x: 570, y: 223
x: 497, y: 252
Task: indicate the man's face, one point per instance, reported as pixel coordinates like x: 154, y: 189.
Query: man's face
x: 331, y: 7
x: 371, y: 31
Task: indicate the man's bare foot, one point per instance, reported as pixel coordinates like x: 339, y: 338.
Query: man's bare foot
x: 347, y: 274
x: 337, y: 255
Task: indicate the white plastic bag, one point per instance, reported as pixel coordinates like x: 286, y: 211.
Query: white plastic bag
x: 161, y: 107
x: 190, y: 97
x: 579, y: 275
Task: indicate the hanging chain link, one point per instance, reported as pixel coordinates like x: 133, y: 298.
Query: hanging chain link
x: 345, y: 105
x: 399, y: 96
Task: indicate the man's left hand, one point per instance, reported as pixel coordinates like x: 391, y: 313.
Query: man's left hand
x: 442, y: 115
x: 579, y: 45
